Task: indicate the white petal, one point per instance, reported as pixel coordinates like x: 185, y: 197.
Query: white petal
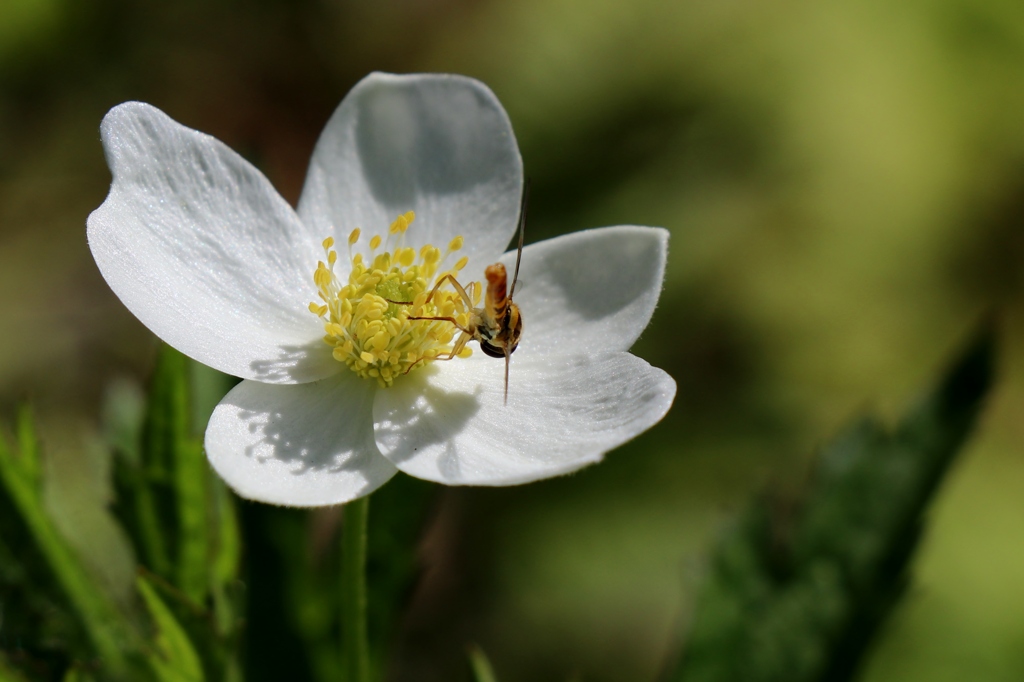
x: 199, y: 246
x: 439, y: 145
x: 303, y: 446
x: 589, y: 291
x: 449, y: 424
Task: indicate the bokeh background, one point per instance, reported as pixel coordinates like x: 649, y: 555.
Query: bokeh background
x: 844, y: 185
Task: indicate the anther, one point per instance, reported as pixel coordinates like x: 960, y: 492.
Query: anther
x: 379, y: 322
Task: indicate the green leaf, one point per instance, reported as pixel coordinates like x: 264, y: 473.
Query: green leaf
x: 799, y: 588
x: 181, y: 519
x: 177, y: 511
x: 225, y: 536
x: 174, y: 462
x: 173, y: 659
x: 21, y: 489
x: 178, y: 514
x: 217, y: 648
x: 226, y: 555
x: 482, y: 669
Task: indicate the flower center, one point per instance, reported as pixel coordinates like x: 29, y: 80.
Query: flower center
x: 367, y: 319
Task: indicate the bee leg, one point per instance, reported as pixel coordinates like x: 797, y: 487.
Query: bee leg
x: 466, y: 298
x: 464, y: 338
x: 443, y: 319
x: 409, y: 368
x: 458, y: 287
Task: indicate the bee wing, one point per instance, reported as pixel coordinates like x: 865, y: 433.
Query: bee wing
x: 508, y: 359
x: 521, y: 287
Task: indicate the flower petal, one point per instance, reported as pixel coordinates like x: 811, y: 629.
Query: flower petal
x: 449, y: 424
x: 439, y: 145
x: 589, y: 291
x: 303, y: 446
x: 199, y: 246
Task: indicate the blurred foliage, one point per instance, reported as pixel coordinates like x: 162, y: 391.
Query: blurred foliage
x: 52, y: 612
x: 482, y: 670
x: 800, y: 589
x: 188, y: 577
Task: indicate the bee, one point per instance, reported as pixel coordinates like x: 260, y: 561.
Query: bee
x: 497, y: 325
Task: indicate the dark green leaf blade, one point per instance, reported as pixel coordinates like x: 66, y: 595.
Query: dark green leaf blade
x: 798, y: 589
x: 172, y: 657
x: 163, y: 495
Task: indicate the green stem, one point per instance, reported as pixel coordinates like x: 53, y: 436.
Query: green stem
x: 355, y: 645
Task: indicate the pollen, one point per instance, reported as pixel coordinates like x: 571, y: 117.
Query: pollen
x: 366, y: 319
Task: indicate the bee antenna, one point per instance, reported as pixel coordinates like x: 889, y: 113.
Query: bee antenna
x: 522, y: 231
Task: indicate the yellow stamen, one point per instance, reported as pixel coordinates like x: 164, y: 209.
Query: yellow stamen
x: 366, y: 319
x: 402, y: 222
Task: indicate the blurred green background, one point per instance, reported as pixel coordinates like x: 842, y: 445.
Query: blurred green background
x: 844, y: 185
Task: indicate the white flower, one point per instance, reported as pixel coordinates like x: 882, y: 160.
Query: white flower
x: 202, y: 249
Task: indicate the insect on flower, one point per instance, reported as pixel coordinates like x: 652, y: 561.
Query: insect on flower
x: 498, y: 325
